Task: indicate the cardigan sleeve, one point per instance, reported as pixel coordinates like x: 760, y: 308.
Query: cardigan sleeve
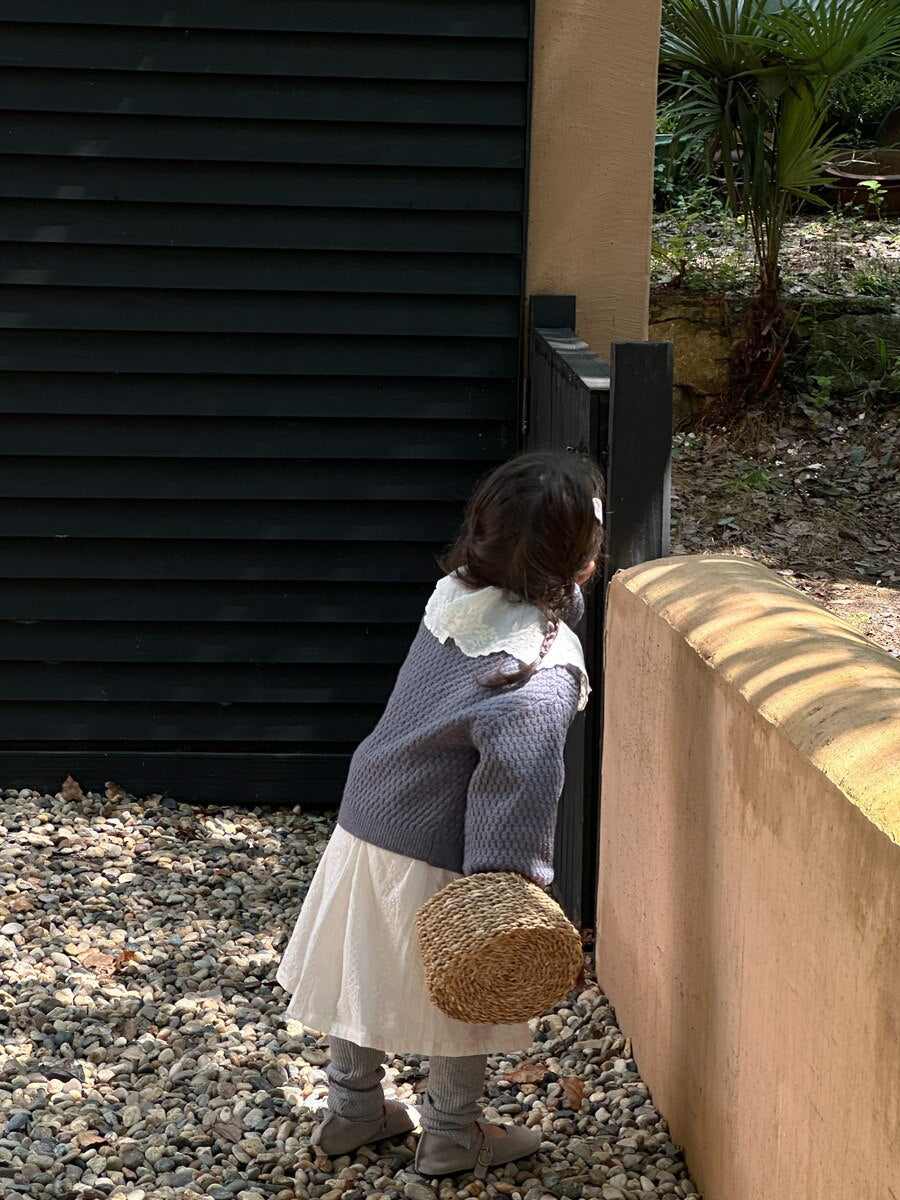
x: 514, y: 790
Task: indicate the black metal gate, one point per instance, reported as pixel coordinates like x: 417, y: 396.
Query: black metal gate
x: 621, y: 414
x: 260, y: 332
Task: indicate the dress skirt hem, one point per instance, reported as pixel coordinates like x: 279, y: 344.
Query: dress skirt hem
x: 352, y: 964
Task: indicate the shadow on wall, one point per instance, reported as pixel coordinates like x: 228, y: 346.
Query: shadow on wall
x: 799, y: 665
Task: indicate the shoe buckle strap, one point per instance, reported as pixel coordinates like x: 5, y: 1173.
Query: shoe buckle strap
x: 483, y: 1161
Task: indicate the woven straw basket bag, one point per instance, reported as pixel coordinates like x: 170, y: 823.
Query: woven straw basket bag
x: 497, y: 949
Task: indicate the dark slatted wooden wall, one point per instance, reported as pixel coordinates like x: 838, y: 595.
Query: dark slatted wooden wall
x: 261, y: 273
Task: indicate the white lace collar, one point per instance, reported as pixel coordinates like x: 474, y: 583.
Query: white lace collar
x: 485, y: 622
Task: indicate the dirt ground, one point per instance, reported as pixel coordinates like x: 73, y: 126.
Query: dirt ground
x: 814, y: 496
x: 824, y: 254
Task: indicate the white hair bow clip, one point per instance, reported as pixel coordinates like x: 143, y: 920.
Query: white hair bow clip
x: 598, y: 509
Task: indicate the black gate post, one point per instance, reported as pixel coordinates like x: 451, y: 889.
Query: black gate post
x: 568, y: 409
x: 639, y: 455
x: 621, y: 416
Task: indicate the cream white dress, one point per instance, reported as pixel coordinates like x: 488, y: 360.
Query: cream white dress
x: 352, y: 964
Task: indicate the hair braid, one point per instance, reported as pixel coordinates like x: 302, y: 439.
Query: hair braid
x: 550, y: 635
x: 500, y: 679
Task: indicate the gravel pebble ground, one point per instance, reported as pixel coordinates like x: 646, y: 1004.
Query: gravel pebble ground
x: 143, y: 1049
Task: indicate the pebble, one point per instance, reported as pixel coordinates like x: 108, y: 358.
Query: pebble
x: 147, y: 1056
x: 419, y: 1191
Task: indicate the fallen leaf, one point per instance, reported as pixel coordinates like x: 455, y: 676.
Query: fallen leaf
x: 229, y: 1131
x: 574, y: 1089
x: 98, y: 960
x: 71, y: 789
x: 89, y: 1137
x: 531, y: 1072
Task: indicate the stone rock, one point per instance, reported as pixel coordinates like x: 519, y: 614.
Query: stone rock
x: 573, y: 1188
x: 419, y: 1191
x: 845, y: 339
x: 699, y: 328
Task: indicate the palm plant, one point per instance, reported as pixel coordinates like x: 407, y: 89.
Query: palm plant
x: 751, y: 80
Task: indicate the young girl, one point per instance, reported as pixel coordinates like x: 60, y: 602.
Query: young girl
x: 462, y: 773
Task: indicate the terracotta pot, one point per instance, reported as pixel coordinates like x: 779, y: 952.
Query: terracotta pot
x: 854, y: 166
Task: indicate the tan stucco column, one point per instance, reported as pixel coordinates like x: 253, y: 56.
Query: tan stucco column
x: 591, y: 179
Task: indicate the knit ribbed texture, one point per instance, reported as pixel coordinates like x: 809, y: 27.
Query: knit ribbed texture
x: 451, y: 1103
x: 354, y: 1076
x: 461, y: 776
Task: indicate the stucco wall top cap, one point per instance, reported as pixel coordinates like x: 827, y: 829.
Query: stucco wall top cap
x: 834, y: 694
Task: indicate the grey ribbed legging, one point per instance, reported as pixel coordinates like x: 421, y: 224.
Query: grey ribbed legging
x: 455, y: 1085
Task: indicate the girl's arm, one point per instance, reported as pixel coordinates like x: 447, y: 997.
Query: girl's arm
x: 514, y: 790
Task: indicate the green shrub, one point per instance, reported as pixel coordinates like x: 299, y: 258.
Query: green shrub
x: 860, y: 101
x: 877, y: 279
x: 678, y: 167
x: 691, y: 244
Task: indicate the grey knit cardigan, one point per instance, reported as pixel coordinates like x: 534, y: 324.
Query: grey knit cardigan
x: 462, y: 776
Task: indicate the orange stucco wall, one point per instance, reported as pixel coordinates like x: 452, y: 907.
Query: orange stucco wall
x: 749, y: 905
x: 591, y: 178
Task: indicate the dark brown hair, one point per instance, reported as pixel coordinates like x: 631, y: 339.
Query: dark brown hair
x: 529, y: 529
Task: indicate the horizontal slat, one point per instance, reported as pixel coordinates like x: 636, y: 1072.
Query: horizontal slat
x: 211, y: 683
x: 159, y: 310
x: 275, y: 396
x: 251, y: 270
x: 444, y: 18
x: 220, y: 776
x: 243, y: 354
x: 249, y: 141
x: 78, y: 558
x: 306, y: 604
x: 200, y: 642
x: 198, y: 437
x: 150, y: 723
x: 267, y: 185
x: 357, y: 229
x: 249, y: 52
x: 262, y: 98
x: 271, y: 520
x: 360, y: 481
